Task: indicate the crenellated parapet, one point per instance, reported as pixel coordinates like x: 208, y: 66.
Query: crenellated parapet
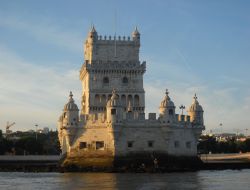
x: 112, y: 39
x: 108, y: 67
x: 111, y: 48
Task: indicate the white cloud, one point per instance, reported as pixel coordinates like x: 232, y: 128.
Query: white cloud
x: 45, y: 31
x: 36, y: 94
x: 218, y: 100
x: 33, y: 94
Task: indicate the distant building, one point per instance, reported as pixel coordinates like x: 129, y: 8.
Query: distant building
x: 111, y: 124
x: 45, y: 130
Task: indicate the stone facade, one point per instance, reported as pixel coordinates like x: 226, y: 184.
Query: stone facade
x: 111, y: 122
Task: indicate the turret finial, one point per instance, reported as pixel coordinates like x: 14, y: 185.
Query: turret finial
x: 92, y: 28
x: 70, y: 94
x: 167, y: 92
x: 195, y: 97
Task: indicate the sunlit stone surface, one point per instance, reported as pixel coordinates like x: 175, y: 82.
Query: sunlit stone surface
x: 111, y: 123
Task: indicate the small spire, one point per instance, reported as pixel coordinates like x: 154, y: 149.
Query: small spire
x: 70, y: 95
x: 167, y: 92
x: 195, y: 97
x: 136, y: 32
x: 92, y: 28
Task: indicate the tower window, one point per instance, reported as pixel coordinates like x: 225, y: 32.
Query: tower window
x: 82, y: 145
x: 130, y: 144
x: 99, y: 145
x: 105, y: 80
x: 188, y: 144
x: 150, y: 144
x: 125, y: 80
x: 113, y: 111
x: 176, y: 144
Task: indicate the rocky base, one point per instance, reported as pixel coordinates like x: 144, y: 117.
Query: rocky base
x: 139, y: 162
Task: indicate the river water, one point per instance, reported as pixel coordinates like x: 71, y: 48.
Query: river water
x: 209, y: 180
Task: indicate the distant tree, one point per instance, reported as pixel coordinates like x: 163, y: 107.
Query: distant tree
x: 5, y: 146
x: 29, y: 145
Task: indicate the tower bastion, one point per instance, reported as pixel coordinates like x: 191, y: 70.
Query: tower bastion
x: 110, y: 129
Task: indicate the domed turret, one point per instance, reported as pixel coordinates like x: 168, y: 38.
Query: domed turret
x: 167, y: 108
x: 196, y: 112
x: 114, y: 108
x: 70, y: 113
x: 71, y: 106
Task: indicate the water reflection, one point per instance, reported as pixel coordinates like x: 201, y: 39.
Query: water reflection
x: 140, y: 181
x: 204, y: 180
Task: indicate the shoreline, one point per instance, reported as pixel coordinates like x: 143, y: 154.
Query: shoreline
x: 51, y: 164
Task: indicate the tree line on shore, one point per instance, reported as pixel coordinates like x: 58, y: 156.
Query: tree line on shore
x: 209, y: 144
x: 27, y: 143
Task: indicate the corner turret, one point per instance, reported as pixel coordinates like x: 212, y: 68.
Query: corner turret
x: 167, y: 109
x: 70, y: 113
x: 136, y: 36
x: 68, y: 122
x: 92, y: 35
x: 196, y: 112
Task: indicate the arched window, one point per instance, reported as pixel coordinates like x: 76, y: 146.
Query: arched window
x: 97, y: 99
x: 136, y: 100
x: 103, y: 99
x: 125, y: 80
x: 105, y: 80
x: 123, y: 100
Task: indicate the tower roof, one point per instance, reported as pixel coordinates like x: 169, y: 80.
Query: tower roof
x: 195, y: 105
x: 167, y: 102
x: 136, y: 32
x: 71, y: 106
x: 92, y: 30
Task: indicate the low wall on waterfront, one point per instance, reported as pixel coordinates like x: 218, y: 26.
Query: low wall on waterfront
x: 29, y: 158
x: 235, y: 157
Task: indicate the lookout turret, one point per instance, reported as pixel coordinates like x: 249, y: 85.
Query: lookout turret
x: 167, y: 109
x: 136, y: 36
x: 196, y: 112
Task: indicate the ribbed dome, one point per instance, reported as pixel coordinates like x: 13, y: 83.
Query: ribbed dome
x: 167, y: 102
x: 114, y: 100
x: 195, y: 107
x: 71, y: 106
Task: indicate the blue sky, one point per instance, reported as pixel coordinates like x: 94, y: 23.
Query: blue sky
x: 190, y: 47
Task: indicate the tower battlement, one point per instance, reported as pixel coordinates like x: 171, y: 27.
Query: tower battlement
x: 111, y: 39
x: 111, y: 48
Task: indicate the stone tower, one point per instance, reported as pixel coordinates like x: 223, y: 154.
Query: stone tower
x: 112, y: 63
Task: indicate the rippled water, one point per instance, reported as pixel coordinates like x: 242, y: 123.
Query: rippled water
x: 227, y: 179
